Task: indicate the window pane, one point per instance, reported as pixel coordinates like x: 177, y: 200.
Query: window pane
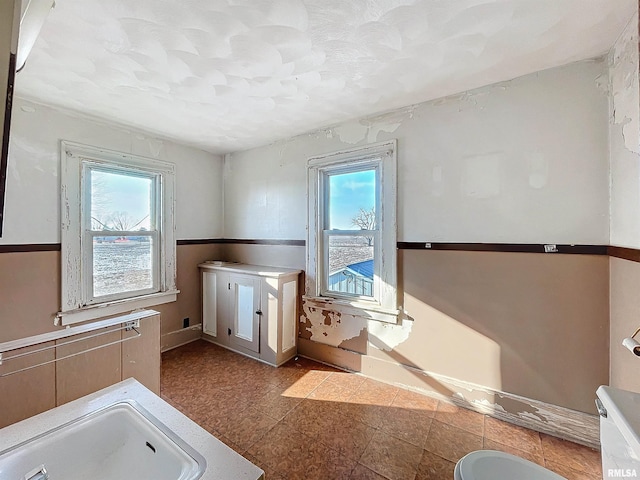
x: 352, y: 200
x: 122, y: 264
x: 120, y: 201
x: 351, y: 265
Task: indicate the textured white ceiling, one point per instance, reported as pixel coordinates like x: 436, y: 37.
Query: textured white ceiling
x: 226, y: 75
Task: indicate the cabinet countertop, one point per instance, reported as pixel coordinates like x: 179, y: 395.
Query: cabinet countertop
x: 260, y: 270
x: 222, y: 462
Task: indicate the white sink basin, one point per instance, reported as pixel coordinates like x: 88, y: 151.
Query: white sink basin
x: 119, y: 442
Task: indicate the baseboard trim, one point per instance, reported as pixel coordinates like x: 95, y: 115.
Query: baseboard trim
x: 166, y: 345
x: 562, y: 422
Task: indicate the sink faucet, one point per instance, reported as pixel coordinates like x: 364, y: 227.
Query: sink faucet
x: 39, y: 473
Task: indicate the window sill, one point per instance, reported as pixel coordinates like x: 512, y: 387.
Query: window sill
x: 115, y: 307
x: 370, y: 311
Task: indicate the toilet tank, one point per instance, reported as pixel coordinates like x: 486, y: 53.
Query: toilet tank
x: 619, y: 432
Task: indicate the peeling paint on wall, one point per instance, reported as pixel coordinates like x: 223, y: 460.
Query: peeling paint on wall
x: 351, y: 133
x: 330, y: 328
x: 527, y: 412
x: 386, y: 336
x: 623, y: 78
x: 370, y: 128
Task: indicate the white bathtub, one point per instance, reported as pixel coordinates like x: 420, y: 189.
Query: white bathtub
x: 109, y: 436
x: 117, y: 442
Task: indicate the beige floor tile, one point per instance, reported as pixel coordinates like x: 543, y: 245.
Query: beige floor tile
x: 513, y: 436
x: 571, y: 474
x: 276, y: 405
x: 493, y: 445
x: 331, y: 392
x: 371, y: 392
x: 406, y: 424
x: 285, y: 449
x: 349, y: 381
x: 307, y: 420
x: 468, y: 420
x: 574, y: 456
x: 246, y: 428
x: 451, y: 443
x: 347, y: 437
x: 415, y: 401
x: 391, y: 457
x: 433, y: 467
x: 372, y: 415
x: 363, y: 473
x: 306, y: 384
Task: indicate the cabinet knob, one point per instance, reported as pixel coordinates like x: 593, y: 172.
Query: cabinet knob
x: 258, y: 312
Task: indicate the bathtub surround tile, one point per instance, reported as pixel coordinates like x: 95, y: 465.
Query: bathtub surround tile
x: 308, y: 420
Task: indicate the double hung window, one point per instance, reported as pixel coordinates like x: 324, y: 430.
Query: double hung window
x: 118, y: 247
x: 352, y: 228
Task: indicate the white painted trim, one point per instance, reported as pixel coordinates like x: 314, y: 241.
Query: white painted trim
x: 555, y: 420
x: 69, y: 332
x: 191, y: 328
x: 75, y: 297
x: 384, y: 156
x: 368, y: 310
x: 113, y: 308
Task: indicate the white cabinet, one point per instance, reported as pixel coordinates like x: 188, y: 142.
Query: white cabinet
x: 251, y: 309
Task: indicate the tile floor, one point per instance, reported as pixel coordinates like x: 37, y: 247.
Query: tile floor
x: 306, y: 420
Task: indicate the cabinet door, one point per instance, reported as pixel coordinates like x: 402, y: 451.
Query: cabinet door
x: 245, y: 330
x: 209, y: 303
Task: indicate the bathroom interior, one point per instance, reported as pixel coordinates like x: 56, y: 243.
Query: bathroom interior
x: 511, y: 207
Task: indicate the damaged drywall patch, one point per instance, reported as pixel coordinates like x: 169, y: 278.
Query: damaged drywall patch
x: 351, y: 133
x: 538, y: 169
x: 623, y: 85
x: 386, y: 336
x: 330, y: 328
x: 482, y: 175
x: 370, y: 128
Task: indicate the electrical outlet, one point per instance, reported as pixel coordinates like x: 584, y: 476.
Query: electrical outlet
x: 185, y: 322
x: 550, y: 248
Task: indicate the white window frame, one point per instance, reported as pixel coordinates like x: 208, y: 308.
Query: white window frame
x: 78, y: 302
x: 379, y: 156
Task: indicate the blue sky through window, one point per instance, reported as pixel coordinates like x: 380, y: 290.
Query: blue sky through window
x: 114, y: 194
x: 348, y: 192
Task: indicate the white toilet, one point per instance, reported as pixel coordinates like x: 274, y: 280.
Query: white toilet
x: 619, y: 438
